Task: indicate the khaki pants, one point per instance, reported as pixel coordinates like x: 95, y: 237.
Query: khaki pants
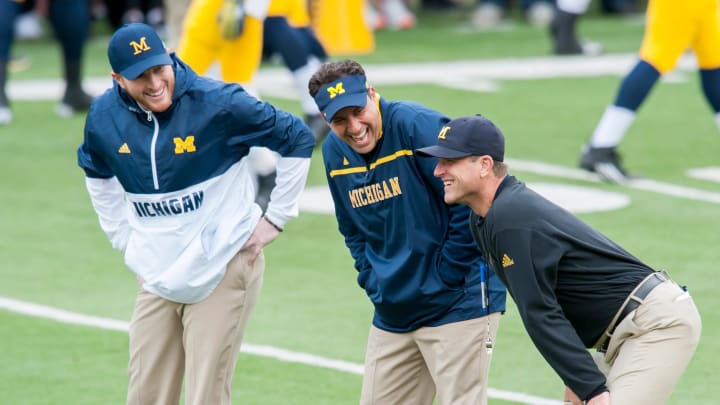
x: 651, y: 347
x: 409, y: 368
x: 201, y: 341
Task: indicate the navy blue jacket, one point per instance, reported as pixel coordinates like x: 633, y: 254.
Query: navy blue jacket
x: 414, y: 254
x: 229, y: 119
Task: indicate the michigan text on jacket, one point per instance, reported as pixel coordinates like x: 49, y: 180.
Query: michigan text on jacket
x: 171, y: 206
x: 374, y: 193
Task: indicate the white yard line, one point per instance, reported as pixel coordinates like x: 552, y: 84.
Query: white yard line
x: 482, y: 74
x: 705, y: 173
x: 658, y: 187
x: 74, y: 318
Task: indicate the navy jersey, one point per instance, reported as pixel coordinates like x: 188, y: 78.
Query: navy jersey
x: 414, y: 254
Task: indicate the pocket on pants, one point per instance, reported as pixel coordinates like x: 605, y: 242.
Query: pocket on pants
x: 241, y: 274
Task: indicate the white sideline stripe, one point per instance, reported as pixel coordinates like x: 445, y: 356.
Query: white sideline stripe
x: 478, y: 75
x: 74, y: 318
x: 705, y: 173
x: 659, y: 187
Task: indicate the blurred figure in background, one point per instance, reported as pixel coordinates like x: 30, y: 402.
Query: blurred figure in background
x: 150, y: 12
x: 671, y: 28
x: 121, y: 12
x: 230, y: 33
x: 389, y: 14
x: 71, y: 21
x: 174, y: 15
x: 563, y: 29
x: 287, y: 33
x: 28, y: 23
x: 622, y: 7
x: 442, y: 4
x: 490, y: 13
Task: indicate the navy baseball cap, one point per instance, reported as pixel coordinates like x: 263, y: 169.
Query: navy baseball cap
x: 473, y: 135
x: 347, y: 91
x: 135, y: 48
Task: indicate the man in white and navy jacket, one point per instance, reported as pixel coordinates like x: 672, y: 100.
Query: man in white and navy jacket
x: 164, y: 154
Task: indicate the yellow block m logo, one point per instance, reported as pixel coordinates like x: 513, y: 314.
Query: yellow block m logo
x: 139, y: 47
x: 443, y: 132
x: 334, y: 91
x: 184, y: 145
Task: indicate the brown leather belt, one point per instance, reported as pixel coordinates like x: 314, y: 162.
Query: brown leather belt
x: 636, y: 297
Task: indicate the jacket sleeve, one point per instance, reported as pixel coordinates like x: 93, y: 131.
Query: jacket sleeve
x: 354, y: 239
x: 289, y: 184
x: 258, y: 123
x: 459, y: 249
x: 108, y: 200
x: 355, y: 242
x: 292, y: 168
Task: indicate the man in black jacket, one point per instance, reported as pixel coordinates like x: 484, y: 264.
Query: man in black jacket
x: 574, y: 288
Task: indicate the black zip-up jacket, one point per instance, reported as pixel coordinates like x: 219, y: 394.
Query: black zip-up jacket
x: 567, y: 279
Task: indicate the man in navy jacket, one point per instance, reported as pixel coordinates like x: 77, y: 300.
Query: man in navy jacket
x: 414, y: 254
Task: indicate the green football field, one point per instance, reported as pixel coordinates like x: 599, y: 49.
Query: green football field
x: 66, y: 297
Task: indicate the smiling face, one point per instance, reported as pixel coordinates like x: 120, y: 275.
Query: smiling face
x: 359, y: 127
x: 471, y: 180
x: 153, y: 89
x: 462, y: 178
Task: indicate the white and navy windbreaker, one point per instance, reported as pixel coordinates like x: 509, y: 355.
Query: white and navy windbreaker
x: 173, y: 190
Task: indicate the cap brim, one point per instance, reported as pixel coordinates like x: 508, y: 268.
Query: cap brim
x: 347, y: 100
x: 137, y: 69
x: 441, y: 152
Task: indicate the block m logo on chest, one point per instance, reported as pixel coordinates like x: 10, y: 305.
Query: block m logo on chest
x: 184, y: 145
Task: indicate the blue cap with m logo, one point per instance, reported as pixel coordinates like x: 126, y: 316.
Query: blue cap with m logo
x: 473, y: 135
x: 347, y: 91
x: 135, y: 48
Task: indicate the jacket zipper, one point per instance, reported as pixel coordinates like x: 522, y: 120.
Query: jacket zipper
x: 153, y: 161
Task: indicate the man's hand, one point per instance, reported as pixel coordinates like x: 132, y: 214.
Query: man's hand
x: 600, y: 399
x: 262, y: 235
x: 570, y: 398
x: 231, y: 19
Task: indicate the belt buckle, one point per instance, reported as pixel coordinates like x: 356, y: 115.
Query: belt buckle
x: 604, y: 346
x: 662, y: 276
x: 641, y: 292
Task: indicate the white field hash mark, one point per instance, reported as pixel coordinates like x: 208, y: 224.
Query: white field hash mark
x: 74, y: 318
